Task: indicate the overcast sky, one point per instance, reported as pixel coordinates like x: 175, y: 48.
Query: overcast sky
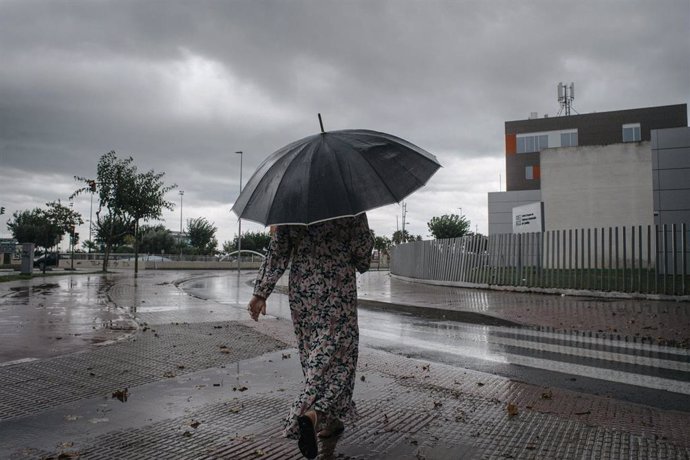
x: 181, y: 85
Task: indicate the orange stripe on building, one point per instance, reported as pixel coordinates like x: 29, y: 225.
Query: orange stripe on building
x: 511, y: 144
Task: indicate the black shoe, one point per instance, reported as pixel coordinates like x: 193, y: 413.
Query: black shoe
x: 307, y: 442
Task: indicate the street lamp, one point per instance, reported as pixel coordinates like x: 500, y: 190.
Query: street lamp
x: 179, y: 239
x: 71, y: 240
x: 239, y: 221
x: 92, y: 189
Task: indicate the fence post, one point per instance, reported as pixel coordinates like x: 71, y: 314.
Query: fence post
x: 665, y: 256
x: 639, y: 255
x: 625, y: 262
x: 589, y: 258
x: 684, y: 247
x: 675, y: 258
x: 632, y: 258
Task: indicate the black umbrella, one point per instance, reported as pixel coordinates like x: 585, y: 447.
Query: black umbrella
x: 333, y: 174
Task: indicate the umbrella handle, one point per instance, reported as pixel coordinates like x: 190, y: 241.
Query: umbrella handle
x: 321, y: 124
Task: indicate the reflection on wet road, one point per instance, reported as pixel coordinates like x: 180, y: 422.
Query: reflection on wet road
x: 42, y: 319
x: 626, y: 370
x: 643, y: 365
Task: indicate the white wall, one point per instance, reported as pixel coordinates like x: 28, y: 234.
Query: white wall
x: 597, y: 186
x: 501, y: 206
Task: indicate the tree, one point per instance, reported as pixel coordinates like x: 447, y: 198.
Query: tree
x: 90, y: 246
x: 65, y: 218
x: 382, y: 244
x: 125, y: 197
x: 114, y: 230
x: 34, y: 227
x: 156, y: 240
x: 448, y: 226
x: 44, y: 227
x: 202, y: 236
x: 400, y: 237
x: 252, y: 241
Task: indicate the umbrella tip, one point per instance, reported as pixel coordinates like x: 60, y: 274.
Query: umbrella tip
x: 321, y: 124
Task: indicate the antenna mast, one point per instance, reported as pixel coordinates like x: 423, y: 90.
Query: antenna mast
x: 566, y: 94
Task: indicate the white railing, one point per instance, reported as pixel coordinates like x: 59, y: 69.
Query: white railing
x: 636, y: 259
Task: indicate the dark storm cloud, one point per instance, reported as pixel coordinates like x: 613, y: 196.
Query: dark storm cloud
x: 182, y: 85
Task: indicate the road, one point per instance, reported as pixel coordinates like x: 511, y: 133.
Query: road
x: 630, y: 371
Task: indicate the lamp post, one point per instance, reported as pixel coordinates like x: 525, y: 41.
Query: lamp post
x: 71, y: 240
x: 239, y: 221
x: 179, y: 239
x: 92, y: 189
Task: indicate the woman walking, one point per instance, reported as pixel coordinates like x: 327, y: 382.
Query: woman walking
x: 323, y: 258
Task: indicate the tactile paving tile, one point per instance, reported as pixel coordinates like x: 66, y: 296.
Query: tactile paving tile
x: 175, y: 349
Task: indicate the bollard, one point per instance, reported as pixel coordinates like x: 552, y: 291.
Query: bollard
x: 27, y: 265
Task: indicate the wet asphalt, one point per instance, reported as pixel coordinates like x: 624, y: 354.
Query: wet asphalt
x: 621, y: 350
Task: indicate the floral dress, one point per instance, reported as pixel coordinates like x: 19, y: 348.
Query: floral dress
x: 323, y: 303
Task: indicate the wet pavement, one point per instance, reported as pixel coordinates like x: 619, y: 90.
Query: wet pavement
x: 51, y: 316
x: 202, y: 381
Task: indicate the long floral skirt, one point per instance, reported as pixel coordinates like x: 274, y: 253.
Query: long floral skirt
x: 328, y: 341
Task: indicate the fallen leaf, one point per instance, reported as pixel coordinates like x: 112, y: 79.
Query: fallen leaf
x: 195, y: 424
x: 512, y: 409
x: 169, y: 374
x: 480, y: 384
x: 362, y: 378
x: 547, y: 395
x: 72, y: 418
x: 187, y: 434
x: 121, y: 395
x: 259, y: 452
x: 437, y: 404
x: 242, y: 388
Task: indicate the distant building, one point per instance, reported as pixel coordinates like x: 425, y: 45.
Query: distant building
x: 626, y: 167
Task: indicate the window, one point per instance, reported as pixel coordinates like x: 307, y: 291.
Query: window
x: 569, y: 139
x: 532, y: 143
x: 632, y: 133
x: 532, y: 172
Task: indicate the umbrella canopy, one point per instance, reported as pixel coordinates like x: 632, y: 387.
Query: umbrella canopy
x: 333, y: 174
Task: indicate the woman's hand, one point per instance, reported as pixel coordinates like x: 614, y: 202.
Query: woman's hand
x: 256, y: 305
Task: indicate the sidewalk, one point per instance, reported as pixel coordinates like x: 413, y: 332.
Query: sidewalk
x: 203, y: 382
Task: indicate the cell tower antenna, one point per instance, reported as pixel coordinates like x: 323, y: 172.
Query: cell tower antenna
x: 566, y: 94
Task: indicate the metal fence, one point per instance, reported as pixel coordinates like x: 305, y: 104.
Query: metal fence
x: 635, y: 259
